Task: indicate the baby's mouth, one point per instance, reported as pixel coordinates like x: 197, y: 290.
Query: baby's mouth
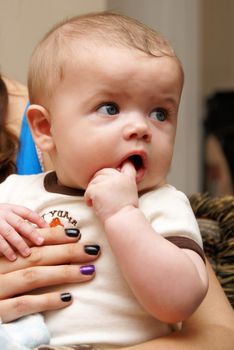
x: 139, y: 162
x: 136, y: 161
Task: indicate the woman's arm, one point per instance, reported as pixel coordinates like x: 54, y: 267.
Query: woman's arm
x: 40, y: 270
x: 211, y: 327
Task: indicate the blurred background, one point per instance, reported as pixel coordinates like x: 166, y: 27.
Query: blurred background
x: 200, y: 31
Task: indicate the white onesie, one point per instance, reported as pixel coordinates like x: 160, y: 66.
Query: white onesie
x: 104, y: 312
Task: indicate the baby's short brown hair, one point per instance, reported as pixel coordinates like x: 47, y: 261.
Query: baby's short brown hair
x: 52, y: 54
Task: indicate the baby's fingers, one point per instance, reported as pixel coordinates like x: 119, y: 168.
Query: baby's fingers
x: 9, y: 239
x: 128, y: 169
x: 22, y: 227
x: 30, y: 215
x: 6, y: 250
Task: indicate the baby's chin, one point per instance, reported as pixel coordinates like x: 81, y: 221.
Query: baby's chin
x: 146, y: 186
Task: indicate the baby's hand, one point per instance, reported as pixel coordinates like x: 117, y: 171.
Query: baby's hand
x: 111, y: 190
x: 17, y: 221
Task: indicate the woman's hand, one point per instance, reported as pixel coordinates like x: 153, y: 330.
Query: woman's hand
x: 61, y: 260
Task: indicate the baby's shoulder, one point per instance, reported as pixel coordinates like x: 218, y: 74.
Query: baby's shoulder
x: 21, y: 184
x: 165, y: 195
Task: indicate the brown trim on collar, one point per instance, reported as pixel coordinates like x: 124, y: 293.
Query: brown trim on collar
x: 186, y: 243
x: 52, y: 185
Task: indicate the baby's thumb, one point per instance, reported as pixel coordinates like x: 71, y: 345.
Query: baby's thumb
x: 128, y: 169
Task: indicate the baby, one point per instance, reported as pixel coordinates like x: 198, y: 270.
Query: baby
x: 104, y: 96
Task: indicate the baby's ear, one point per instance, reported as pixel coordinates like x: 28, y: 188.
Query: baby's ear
x: 39, y: 122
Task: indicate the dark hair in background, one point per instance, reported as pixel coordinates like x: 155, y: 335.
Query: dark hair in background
x: 219, y: 121
x: 8, y: 142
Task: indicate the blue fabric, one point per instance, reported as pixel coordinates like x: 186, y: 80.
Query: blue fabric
x: 27, y: 161
x: 7, y: 343
x: 25, y: 333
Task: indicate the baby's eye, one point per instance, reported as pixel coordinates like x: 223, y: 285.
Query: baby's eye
x: 108, y: 109
x: 158, y: 114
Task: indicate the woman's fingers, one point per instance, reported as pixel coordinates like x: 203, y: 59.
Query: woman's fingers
x: 18, y: 282
x: 59, y: 235
x: 56, y: 255
x: 16, y: 221
x: 50, y: 236
x: 13, y: 308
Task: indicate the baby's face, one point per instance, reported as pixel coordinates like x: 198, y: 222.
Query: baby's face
x: 113, y: 105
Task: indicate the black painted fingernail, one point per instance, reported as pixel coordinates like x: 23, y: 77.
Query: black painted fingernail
x: 93, y: 249
x: 73, y: 232
x: 87, y: 269
x: 65, y: 297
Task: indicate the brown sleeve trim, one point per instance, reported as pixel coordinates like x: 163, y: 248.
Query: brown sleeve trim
x: 186, y: 243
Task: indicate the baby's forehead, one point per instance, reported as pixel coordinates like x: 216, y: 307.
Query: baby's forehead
x: 122, y: 71
x: 84, y: 50
x: 118, y: 58
x: 112, y: 64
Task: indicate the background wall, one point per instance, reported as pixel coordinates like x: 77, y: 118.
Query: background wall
x: 217, y: 45
x: 24, y: 22
x: 201, y: 32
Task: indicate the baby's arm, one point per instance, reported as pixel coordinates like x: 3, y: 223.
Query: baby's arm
x: 168, y: 281
x: 17, y: 221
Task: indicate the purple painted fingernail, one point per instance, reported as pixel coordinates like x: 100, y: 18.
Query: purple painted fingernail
x: 87, y: 269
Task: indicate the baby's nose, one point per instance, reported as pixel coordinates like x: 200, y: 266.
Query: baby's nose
x: 138, y: 130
